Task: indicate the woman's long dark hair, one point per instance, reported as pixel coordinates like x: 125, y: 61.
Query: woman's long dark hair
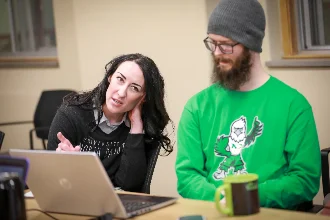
x: 154, y: 114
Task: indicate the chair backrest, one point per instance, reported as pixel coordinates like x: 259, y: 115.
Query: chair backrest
x: 47, y: 106
x: 309, y: 206
x: 2, y: 136
x: 325, y: 171
x: 152, y: 156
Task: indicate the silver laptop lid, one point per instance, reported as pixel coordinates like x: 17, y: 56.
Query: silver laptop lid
x: 71, y: 182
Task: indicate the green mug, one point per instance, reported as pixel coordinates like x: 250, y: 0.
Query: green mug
x: 241, y: 194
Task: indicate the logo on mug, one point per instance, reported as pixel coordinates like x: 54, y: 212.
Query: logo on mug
x: 251, y: 186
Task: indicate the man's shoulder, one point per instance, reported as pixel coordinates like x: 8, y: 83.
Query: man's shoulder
x: 206, y: 94
x: 289, y: 93
x: 281, y: 85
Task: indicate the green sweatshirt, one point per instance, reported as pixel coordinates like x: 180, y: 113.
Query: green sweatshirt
x: 269, y: 131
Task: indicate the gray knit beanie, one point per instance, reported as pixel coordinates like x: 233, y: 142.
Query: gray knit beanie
x: 240, y: 20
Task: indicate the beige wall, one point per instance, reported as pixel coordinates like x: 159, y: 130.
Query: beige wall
x: 170, y: 32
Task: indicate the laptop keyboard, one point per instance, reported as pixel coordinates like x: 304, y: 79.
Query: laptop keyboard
x: 132, y: 206
x: 142, y: 203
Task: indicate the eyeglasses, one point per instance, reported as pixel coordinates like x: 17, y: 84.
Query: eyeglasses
x: 225, y: 48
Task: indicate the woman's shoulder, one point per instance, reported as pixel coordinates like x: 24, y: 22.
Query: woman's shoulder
x: 74, y: 111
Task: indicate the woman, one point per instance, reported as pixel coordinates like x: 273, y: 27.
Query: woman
x: 121, y: 119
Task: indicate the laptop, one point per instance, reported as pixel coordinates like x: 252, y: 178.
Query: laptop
x: 77, y: 183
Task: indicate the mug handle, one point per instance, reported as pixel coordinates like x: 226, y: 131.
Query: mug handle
x: 228, y: 208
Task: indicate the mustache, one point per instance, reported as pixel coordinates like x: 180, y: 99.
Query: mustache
x: 219, y: 59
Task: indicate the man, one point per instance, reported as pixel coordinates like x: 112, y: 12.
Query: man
x: 247, y: 121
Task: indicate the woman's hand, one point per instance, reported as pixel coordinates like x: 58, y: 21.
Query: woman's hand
x: 65, y: 144
x: 135, y: 118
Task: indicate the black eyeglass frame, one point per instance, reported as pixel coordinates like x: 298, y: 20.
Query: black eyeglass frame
x: 207, y: 39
